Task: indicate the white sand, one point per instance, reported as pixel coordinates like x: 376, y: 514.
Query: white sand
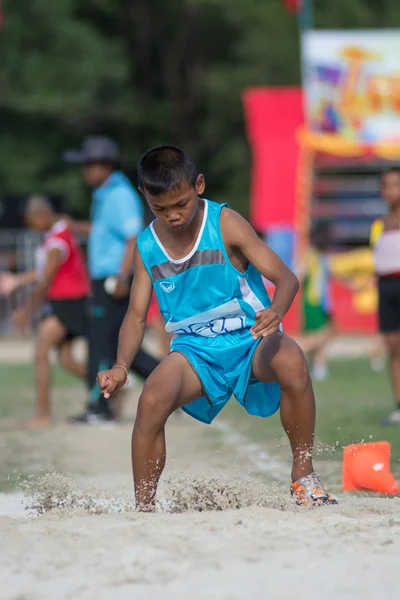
x: 84, y: 549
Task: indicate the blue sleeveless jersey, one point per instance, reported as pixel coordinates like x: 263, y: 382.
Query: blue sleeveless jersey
x: 209, y: 306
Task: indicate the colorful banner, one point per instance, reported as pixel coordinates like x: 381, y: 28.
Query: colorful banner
x: 352, y: 91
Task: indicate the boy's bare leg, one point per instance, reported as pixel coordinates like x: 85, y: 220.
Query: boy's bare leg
x: 309, y: 342
x: 51, y: 332
x: 317, y: 341
x: 392, y: 342
x: 171, y: 385
x: 68, y: 362
x: 279, y: 358
x: 377, y: 353
x: 327, y: 335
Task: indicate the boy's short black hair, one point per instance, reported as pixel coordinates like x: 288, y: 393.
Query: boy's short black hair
x: 395, y: 170
x: 163, y: 169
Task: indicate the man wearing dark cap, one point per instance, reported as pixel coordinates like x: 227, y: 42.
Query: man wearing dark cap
x: 116, y: 220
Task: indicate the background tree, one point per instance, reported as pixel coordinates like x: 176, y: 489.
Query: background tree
x: 146, y: 72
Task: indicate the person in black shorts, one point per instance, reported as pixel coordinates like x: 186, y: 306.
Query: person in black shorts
x: 61, y: 288
x: 385, y: 239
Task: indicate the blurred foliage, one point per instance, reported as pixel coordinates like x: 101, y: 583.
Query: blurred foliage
x: 146, y: 72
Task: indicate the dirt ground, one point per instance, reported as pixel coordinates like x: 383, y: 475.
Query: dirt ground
x: 226, y: 527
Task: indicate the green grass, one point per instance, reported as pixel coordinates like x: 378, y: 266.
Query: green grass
x: 22, y: 375
x: 17, y: 388
x: 350, y: 406
x: 23, y: 452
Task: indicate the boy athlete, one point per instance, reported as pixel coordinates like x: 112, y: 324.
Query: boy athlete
x: 62, y: 287
x: 205, y: 263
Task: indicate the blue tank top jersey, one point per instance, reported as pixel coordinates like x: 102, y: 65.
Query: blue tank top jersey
x: 210, y: 306
x: 203, y: 294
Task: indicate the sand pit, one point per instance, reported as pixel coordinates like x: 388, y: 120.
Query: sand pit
x: 226, y: 528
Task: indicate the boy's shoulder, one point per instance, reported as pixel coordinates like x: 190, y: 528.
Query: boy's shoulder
x: 145, y: 240
x: 60, y: 231
x: 234, y: 226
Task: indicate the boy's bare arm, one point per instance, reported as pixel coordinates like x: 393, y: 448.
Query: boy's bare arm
x: 125, y: 270
x: 132, y: 329
x: 133, y: 326
x: 25, y: 278
x: 238, y: 234
x: 78, y: 227
x: 53, y: 263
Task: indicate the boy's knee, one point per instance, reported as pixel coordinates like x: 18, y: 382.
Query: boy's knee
x: 295, y: 377
x: 153, y: 409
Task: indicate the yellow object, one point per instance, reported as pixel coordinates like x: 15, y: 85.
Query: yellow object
x: 352, y: 263
x: 314, y: 271
x: 357, y: 267
x: 338, y: 145
x: 366, y: 300
x: 377, y: 228
x: 329, y: 143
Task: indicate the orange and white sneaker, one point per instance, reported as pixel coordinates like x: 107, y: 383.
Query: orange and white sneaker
x: 310, y: 491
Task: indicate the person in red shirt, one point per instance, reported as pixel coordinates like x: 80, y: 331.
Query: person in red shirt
x: 62, y: 287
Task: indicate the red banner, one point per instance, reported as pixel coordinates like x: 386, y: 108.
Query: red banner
x: 273, y: 116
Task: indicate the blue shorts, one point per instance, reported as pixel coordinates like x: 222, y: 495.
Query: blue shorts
x: 224, y: 366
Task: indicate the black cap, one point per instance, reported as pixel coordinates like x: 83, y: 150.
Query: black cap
x: 94, y: 148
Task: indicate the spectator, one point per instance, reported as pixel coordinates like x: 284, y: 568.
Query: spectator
x: 116, y: 220
x: 62, y: 284
x: 317, y: 319
x: 385, y: 240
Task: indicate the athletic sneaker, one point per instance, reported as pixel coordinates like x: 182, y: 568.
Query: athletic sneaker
x: 310, y: 491
x: 92, y: 418
x: 393, y: 419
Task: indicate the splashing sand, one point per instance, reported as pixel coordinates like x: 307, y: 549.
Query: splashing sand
x: 57, y: 492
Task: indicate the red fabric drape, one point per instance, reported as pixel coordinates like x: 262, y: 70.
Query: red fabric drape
x: 273, y: 116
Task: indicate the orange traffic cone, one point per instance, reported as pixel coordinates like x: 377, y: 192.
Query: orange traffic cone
x: 367, y: 467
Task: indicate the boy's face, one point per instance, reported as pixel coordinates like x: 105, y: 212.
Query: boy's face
x: 96, y: 173
x: 177, y: 208
x: 391, y: 188
x: 39, y: 222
